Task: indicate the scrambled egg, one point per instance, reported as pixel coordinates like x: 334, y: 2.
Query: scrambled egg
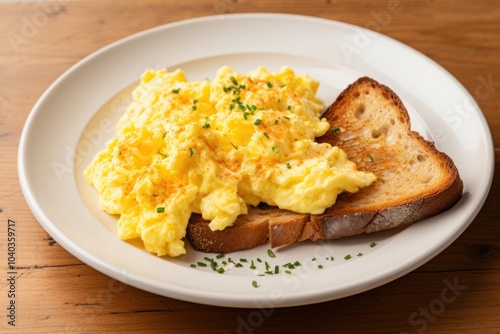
x: 215, y: 147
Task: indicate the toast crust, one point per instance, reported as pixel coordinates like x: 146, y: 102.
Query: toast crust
x: 414, y: 180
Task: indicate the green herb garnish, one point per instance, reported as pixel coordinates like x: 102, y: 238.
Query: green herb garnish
x: 335, y: 131
x: 267, y: 266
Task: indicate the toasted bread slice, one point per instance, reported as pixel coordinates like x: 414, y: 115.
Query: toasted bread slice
x: 370, y: 123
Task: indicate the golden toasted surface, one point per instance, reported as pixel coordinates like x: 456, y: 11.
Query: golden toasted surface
x: 373, y: 127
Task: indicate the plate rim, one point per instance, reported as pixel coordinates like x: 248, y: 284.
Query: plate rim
x: 214, y: 300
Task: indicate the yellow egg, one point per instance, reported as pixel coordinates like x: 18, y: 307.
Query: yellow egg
x: 214, y: 148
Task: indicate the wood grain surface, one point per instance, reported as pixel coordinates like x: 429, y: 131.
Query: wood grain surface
x: 56, y: 293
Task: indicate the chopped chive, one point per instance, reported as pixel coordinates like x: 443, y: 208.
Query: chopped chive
x: 160, y: 209
x: 286, y: 265
x: 373, y: 244
x: 236, y: 147
x: 288, y: 271
x: 242, y: 107
x: 224, y: 263
x: 289, y: 107
x: 191, y: 152
x: 243, y: 260
x: 370, y: 157
x: 259, y: 260
x: 194, y: 107
x: 252, y: 266
x: 360, y: 254
x: 276, y: 121
x: 206, y: 125
x: 335, y: 131
x: 163, y: 155
x: 221, y: 270
x: 286, y: 117
x: 266, y: 135
x: 238, y: 265
x: 276, y: 149
x: 213, y: 265
x: 320, y: 266
x: 271, y: 253
x: 220, y: 256
x: 313, y: 259
x: 176, y: 91
x: 257, y: 121
x: 276, y: 269
x: 269, y: 84
x: 245, y: 115
x: 233, y: 80
x: 296, y: 263
x: 267, y: 266
x: 201, y: 264
x: 231, y: 106
x: 192, y: 265
x: 254, y: 284
x: 195, y: 101
x: 347, y: 257
x: 288, y: 166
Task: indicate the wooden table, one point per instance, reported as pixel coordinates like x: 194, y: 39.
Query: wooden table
x: 56, y: 293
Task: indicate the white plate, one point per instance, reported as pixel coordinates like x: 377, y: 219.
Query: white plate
x: 75, y: 116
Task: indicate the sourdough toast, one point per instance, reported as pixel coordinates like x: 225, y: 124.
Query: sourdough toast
x: 371, y: 124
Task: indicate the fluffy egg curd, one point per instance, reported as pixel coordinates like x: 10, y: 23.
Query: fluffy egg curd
x: 214, y: 148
